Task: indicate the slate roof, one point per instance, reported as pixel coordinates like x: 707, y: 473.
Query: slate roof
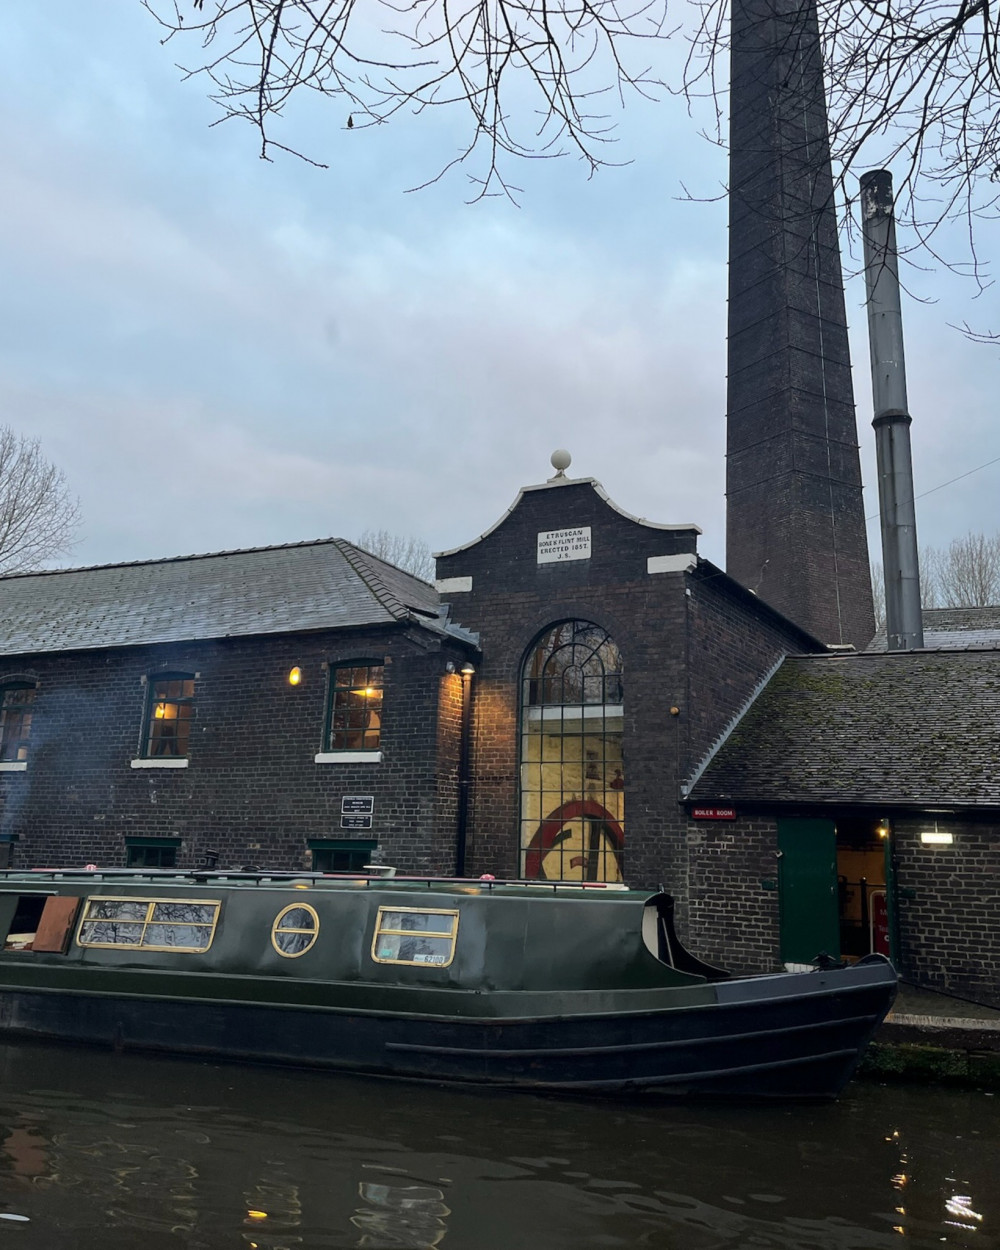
x: 328, y: 584
x: 954, y: 628
x: 914, y: 729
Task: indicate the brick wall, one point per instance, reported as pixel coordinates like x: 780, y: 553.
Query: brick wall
x: 700, y: 653
x: 948, y: 900
x: 732, y: 917
x: 734, y: 642
x: 513, y: 600
x: 251, y: 791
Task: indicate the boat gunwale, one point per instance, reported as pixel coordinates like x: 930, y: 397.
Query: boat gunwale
x: 627, y: 1013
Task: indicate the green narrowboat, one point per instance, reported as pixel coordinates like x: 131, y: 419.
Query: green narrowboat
x: 520, y: 984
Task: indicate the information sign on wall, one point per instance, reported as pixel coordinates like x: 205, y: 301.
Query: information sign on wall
x: 355, y: 822
x: 713, y: 813
x: 878, y: 922
x: 554, y: 546
x: 357, y: 804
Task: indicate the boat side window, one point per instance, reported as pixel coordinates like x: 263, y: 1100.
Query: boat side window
x: 151, y: 923
x: 409, y: 935
x: 295, y: 929
x: 42, y: 922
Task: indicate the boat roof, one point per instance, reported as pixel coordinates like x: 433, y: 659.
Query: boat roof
x: 216, y: 878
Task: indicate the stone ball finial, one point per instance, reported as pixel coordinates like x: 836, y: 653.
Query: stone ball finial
x: 560, y: 461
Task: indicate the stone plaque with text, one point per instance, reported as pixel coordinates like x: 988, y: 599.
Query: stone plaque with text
x: 554, y: 546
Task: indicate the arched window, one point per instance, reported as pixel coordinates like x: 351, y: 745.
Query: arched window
x: 572, y: 771
x: 16, y: 699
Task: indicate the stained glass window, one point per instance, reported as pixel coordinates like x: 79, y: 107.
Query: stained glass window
x: 572, y: 764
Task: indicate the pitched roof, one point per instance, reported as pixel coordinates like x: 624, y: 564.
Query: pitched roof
x: 902, y: 728
x: 954, y: 628
x: 328, y: 584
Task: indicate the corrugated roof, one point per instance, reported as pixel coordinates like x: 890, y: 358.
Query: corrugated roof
x: 328, y: 584
x: 954, y: 628
x: 917, y: 728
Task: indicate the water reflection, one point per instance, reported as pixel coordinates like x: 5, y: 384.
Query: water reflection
x: 121, y: 1151
x: 401, y: 1215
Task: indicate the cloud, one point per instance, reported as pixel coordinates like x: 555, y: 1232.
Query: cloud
x: 223, y: 352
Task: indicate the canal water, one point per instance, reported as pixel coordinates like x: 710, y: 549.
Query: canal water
x: 106, y: 1152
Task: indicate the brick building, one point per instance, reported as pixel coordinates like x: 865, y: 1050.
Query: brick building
x: 612, y: 656
x: 584, y: 697
x: 864, y: 792
x: 230, y: 709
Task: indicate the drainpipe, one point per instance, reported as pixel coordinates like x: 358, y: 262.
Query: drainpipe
x: 462, y: 821
x: 903, y: 621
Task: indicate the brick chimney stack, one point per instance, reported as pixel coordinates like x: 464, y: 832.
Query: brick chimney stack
x: 795, y: 531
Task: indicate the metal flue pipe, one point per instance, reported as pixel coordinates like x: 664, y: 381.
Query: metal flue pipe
x: 904, y: 624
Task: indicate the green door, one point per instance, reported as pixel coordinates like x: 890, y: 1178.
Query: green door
x: 808, y: 876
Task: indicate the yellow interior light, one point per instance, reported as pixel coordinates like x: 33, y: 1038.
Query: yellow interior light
x: 160, y: 711
x: 294, y: 676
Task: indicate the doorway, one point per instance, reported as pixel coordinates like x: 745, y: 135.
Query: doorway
x: 834, y: 896
x: 807, y: 859
x: 862, y: 894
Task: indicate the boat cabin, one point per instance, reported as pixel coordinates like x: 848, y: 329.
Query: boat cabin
x: 486, y: 936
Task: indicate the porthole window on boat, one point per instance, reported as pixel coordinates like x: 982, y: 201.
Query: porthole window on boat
x: 406, y: 935
x: 295, y: 929
x: 151, y: 923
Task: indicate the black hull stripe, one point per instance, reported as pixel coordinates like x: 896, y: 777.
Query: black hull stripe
x: 628, y: 1047
x: 698, y: 1076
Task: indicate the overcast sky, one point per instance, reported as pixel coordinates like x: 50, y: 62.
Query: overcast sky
x: 222, y: 352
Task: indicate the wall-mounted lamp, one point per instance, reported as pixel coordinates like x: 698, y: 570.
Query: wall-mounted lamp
x: 450, y: 666
x: 883, y: 829
x: 294, y: 675
x: 935, y: 837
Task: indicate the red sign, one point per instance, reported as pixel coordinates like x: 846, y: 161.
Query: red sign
x: 713, y: 813
x: 879, y: 922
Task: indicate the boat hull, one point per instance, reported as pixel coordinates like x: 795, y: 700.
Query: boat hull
x: 787, y: 1036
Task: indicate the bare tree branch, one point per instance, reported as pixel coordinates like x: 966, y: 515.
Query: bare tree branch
x: 553, y: 59
x: 966, y: 573
x: 914, y: 86
x: 405, y: 551
x: 38, y: 516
